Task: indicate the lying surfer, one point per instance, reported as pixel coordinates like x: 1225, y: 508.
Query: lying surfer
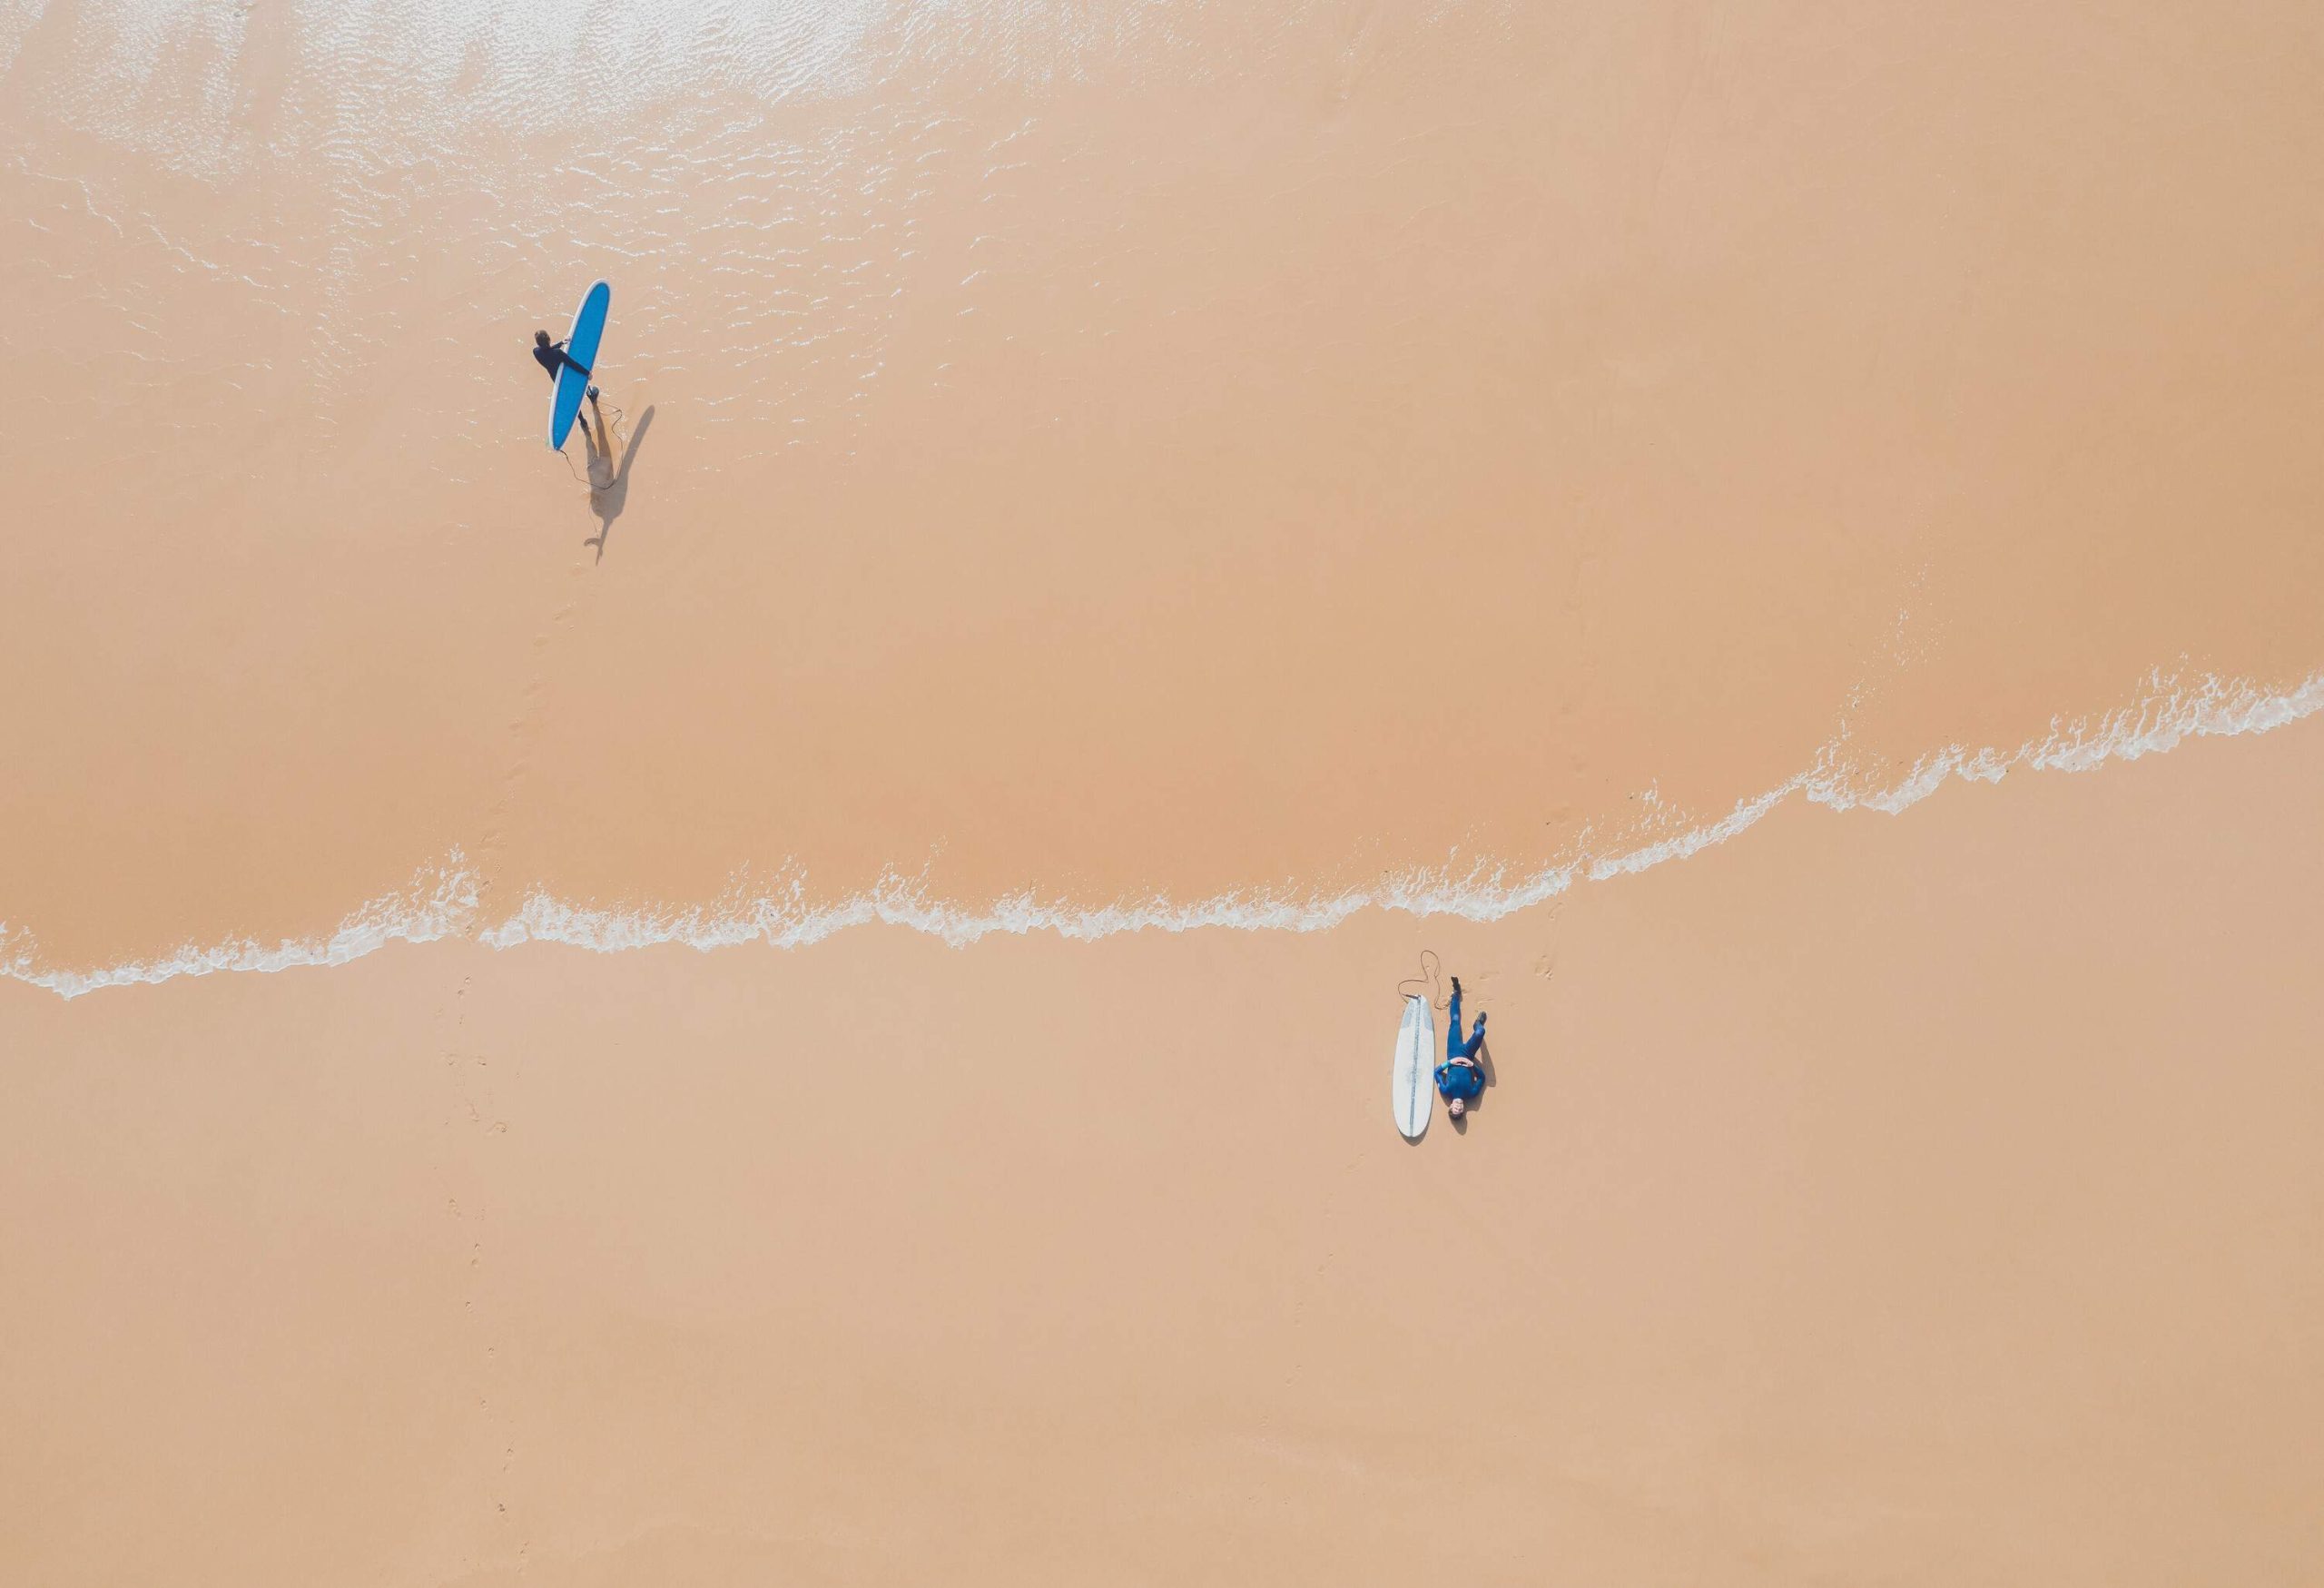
x: 1459, y: 1077
x: 553, y: 358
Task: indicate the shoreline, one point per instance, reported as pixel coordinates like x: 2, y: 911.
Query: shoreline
x: 444, y: 901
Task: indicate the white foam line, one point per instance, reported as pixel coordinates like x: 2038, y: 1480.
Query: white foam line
x: 445, y: 901
x: 440, y: 903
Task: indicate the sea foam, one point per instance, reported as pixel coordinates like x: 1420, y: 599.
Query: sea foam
x: 445, y: 900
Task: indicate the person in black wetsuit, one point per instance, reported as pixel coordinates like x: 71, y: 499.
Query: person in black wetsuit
x: 553, y: 358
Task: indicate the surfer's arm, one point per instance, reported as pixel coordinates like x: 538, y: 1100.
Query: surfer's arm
x: 557, y: 358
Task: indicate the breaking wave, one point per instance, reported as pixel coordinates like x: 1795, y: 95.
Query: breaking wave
x: 446, y: 900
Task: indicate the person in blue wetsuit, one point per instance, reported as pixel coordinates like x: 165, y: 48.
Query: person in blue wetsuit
x: 1459, y: 1079
x: 553, y: 358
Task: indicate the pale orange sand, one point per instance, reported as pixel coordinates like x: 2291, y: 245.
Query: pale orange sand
x: 1103, y: 469
x: 1926, y: 1201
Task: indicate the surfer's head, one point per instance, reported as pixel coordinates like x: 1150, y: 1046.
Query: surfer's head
x: 540, y: 338
x: 1457, y: 1106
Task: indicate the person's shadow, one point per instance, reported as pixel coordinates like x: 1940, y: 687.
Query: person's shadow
x: 608, y: 500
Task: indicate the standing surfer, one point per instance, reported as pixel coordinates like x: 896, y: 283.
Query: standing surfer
x: 1460, y: 1077
x: 554, y: 358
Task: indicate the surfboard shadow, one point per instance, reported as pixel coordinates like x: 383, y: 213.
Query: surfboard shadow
x: 609, y: 502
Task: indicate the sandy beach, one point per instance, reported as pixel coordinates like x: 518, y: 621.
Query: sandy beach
x: 823, y: 1013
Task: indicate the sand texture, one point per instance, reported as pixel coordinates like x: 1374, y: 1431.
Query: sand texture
x: 810, y: 999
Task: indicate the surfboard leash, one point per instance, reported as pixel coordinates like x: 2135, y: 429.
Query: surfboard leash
x: 1430, y: 976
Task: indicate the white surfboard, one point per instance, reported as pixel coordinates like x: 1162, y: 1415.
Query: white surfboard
x: 1414, y: 1076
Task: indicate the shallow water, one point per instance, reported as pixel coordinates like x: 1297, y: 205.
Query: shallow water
x: 1108, y: 465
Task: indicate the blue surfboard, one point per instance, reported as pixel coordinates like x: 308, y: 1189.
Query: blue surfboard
x: 588, y: 330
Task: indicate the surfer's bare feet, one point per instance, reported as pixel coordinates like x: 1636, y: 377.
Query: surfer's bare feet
x: 1456, y: 983
x: 592, y: 394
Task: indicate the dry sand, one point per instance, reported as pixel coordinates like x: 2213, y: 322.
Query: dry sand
x: 1249, y: 461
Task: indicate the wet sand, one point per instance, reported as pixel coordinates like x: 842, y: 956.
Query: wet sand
x: 1930, y: 1199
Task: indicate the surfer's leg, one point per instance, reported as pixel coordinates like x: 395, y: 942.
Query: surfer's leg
x: 1457, y: 1046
